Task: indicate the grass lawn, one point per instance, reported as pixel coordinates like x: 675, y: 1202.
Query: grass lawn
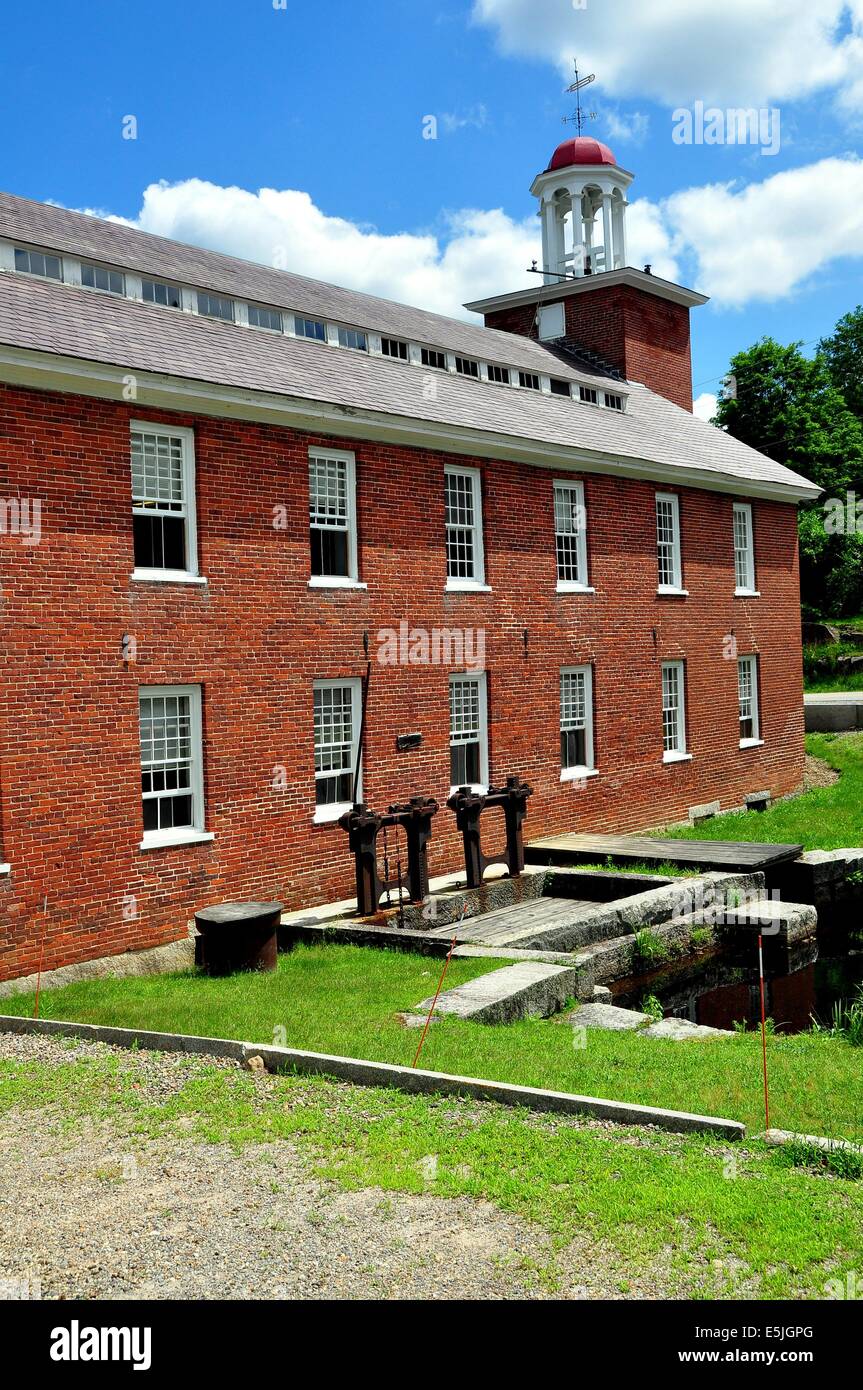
x: 685, y: 1216
x: 826, y: 818
x: 344, y: 999
x: 821, y: 669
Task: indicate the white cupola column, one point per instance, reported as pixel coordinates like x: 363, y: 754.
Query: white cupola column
x: 575, y: 193
x: 607, y: 233
x: 620, y: 233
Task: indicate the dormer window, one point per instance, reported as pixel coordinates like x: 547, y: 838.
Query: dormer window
x: 529, y: 381
x: 613, y: 402
x: 37, y: 263
x: 558, y: 386
x: 395, y: 347
x: 587, y: 395
x: 430, y: 357
x: 261, y: 317
x: 310, y: 328
x: 215, y: 306
x: 96, y: 277
x: 160, y: 292
x: 466, y: 366
x: 498, y: 374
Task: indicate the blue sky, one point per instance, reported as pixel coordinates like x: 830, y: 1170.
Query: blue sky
x: 324, y: 103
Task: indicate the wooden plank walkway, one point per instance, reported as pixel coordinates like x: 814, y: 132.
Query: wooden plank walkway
x: 741, y: 855
x: 507, y: 924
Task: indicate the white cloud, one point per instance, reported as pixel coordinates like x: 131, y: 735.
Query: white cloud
x: 764, y: 241
x: 476, y: 253
x: 679, y: 51
x: 453, y: 121
x: 625, y: 125
x: 739, y: 244
x: 704, y: 406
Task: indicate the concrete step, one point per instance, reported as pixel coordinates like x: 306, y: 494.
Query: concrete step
x: 531, y: 987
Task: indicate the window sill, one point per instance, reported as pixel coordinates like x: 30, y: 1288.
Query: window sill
x: 569, y: 586
x: 5, y: 868
x: 671, y: 591
x: 325, y: 815
x: 335, y: 581
x: 167, y: 577
x: 752, y: 743
x: 162, y: 839
x: 479, y: 787
x: 747, y: 593
x: 676, y: 757
x: 578, y: 774
x: 466, y: 586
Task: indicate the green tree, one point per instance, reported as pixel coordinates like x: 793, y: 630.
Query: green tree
x: 843, y: 354
x: 791, y: 408
x: 786, y: 405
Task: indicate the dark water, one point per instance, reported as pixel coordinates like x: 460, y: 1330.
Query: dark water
x: 720, y: 991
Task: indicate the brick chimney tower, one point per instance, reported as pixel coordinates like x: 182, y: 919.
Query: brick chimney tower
x: 591, y: 305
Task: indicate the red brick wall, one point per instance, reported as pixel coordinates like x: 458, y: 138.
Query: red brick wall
x: 256, y: 637
x: 644, y: 336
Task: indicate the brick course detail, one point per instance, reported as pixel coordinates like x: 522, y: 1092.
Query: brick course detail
x: 256, y: 637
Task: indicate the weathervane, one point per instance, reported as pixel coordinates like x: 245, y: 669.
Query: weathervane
x: 577, y: 87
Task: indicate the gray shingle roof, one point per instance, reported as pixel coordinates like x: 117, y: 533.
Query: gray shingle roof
x: 93, y: 237
x: 78, y: 323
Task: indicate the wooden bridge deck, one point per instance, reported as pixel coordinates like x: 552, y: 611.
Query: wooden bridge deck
x: 740, y: 855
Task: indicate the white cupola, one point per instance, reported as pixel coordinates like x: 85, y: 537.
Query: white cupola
x: 583, y: 204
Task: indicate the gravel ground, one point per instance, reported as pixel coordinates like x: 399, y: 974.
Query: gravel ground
x: 817, y: 773
x: 85, y: 1215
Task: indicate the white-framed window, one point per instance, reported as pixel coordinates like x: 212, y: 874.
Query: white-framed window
x: 552, y: 322
x: 465, y: 563
x: 433, y: 357
x: 588, y: 395
x: 353, y: 338
x: 161, y: 292
x: 673, y: 711
x: 669, y: 567
x: 98, y: 277
x: 744, y: 549
x: 466, y: 366
x: 215, y: 306
x: 395, y: 347
x: 38, y: 263
x: 310, y: 328
x: 337, y: 718
x: 261, y: 316
x: 163, y: 501
x: 528, y: 381
x: 172, y: 766
x: 576, y: 721
x: 498, y: 374
x: 747, y: 692
x: 613, y: 401
x: 570, y: 535
x: 468, y: 731
x: 332, y: 517
x: 558, y: 386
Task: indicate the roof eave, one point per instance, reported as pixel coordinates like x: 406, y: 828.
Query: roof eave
x: 80, y: 376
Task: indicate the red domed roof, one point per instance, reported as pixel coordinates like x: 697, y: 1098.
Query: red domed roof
x: 582, y: 150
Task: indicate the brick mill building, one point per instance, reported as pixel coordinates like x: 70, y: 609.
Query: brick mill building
x: 222, y: 485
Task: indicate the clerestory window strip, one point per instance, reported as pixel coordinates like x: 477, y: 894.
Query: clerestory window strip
x: 78, y: 271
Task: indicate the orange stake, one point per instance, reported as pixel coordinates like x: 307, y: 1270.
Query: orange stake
x: 434, y: 1001
x: 763, y: 1033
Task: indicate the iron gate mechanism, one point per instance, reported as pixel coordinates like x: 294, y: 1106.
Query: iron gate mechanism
x: 363, y: 825
x: 469, y: 806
